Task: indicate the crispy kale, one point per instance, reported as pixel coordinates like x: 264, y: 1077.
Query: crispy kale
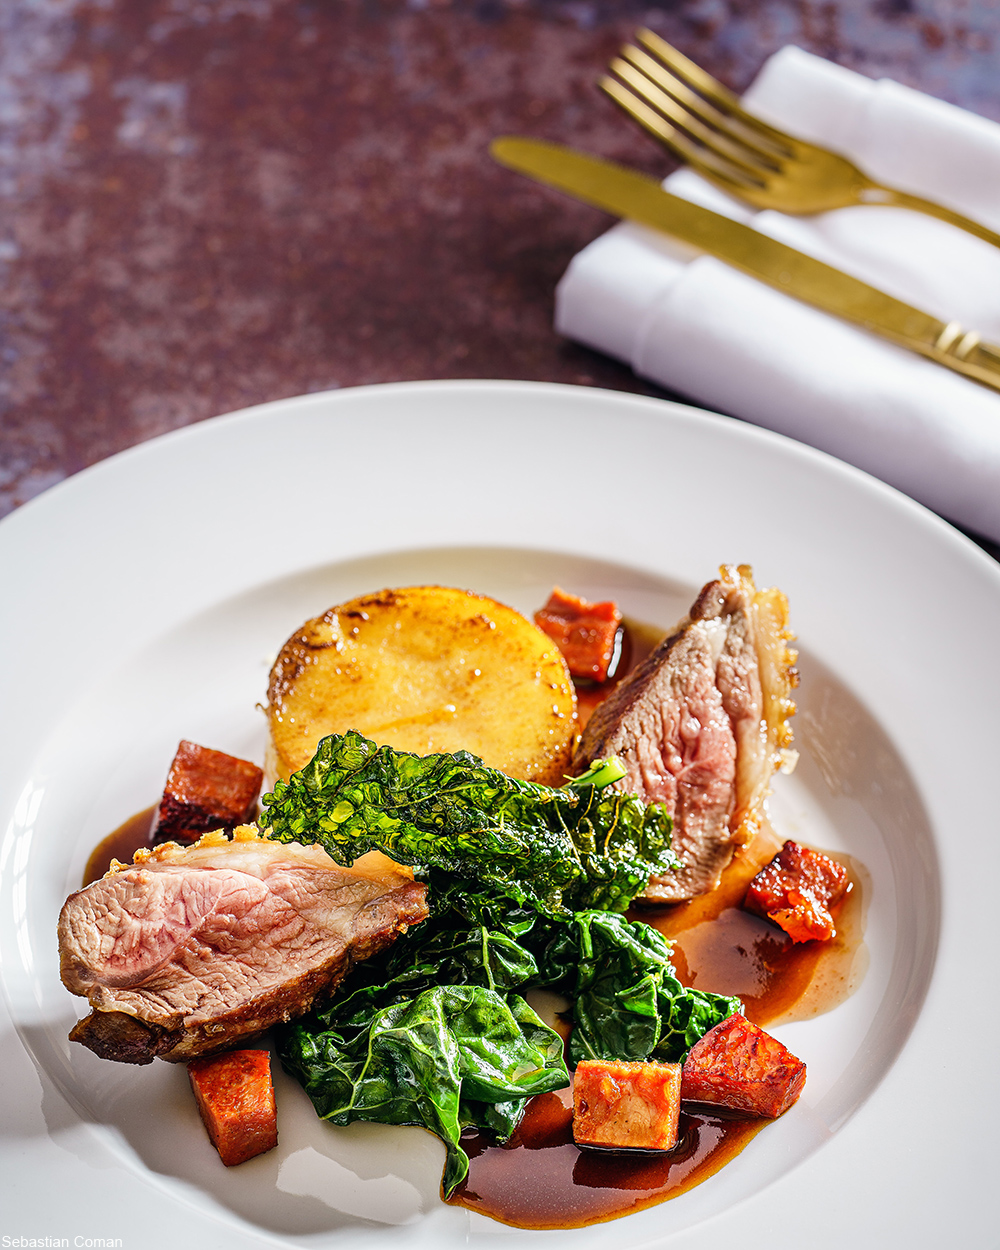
x: 557, y: 851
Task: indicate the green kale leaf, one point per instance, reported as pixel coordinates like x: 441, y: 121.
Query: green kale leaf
x: 556, y: 851
x: 451, y: 1056
x: 435, y: 953
x: 627, y: 1001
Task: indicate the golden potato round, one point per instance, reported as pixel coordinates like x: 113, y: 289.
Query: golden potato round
x: 425, y: 669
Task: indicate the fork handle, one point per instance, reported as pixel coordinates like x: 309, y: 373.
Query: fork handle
x: 874, y: 193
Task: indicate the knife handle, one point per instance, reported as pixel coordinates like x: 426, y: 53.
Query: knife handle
x: 965, y: 352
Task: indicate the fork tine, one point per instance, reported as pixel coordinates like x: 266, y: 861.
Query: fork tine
x: 747, y: 160
x: 658, y: 73
x: 724, y: 172
x: 710, y: 88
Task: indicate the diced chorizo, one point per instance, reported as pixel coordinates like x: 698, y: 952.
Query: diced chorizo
x: 586, y: 633
x: 236, y: 1100
x: 626, y: 1105
x: 205, y: 790
x: 738, y: 1065
x: 797, y: 890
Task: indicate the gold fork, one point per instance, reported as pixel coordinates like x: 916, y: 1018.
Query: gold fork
x: 704, y: 124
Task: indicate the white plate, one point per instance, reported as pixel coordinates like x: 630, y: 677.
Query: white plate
x: 143, y: 600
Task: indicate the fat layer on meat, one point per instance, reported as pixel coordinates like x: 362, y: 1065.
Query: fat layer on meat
x: 189, y: 951
x: 702, y: 724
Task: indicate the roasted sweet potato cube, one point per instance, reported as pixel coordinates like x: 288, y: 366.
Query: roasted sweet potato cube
x: 796, y: 891
x: 738, y: 1065
x: 626, y: 1105
x: 205, y: 790
x: 236, y: 1101
x: 584, y: 632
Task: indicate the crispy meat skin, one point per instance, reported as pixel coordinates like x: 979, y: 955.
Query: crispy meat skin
x: 701, y: 725
x: 114, y: 1035
x: 205, y: 790
x: 738, y: 1065
x: 189, y: 951
x: 796, y: 891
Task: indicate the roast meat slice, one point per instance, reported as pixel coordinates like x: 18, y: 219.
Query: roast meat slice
x: 702, y: 724
x: 190, y: 951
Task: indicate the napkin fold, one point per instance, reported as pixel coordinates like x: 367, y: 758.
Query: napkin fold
x: 691, y: 323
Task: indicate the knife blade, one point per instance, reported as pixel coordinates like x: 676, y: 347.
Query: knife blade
x: 636, y: 197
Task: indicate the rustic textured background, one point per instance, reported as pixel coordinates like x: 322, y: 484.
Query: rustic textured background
x: 211, y: 203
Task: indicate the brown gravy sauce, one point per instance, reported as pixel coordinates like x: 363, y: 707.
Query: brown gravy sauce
x: 720, y: 947
x: 717, y: 946
x: 135, y: 834
x: 558, y: 1185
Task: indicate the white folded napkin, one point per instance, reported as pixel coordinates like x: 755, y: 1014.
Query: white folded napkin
x: 691, y: 323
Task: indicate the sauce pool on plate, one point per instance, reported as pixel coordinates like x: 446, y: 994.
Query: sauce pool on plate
x: 540, y: 1179
x: 135, y: 834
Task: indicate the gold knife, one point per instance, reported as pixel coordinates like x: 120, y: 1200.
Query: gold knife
x: 625, y: 193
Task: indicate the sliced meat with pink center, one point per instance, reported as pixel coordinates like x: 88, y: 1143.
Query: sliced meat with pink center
x: 701, y: 724
x: 191, y: 951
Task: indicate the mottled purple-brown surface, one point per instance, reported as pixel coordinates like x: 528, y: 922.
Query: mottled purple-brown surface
x: 212, y: 203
